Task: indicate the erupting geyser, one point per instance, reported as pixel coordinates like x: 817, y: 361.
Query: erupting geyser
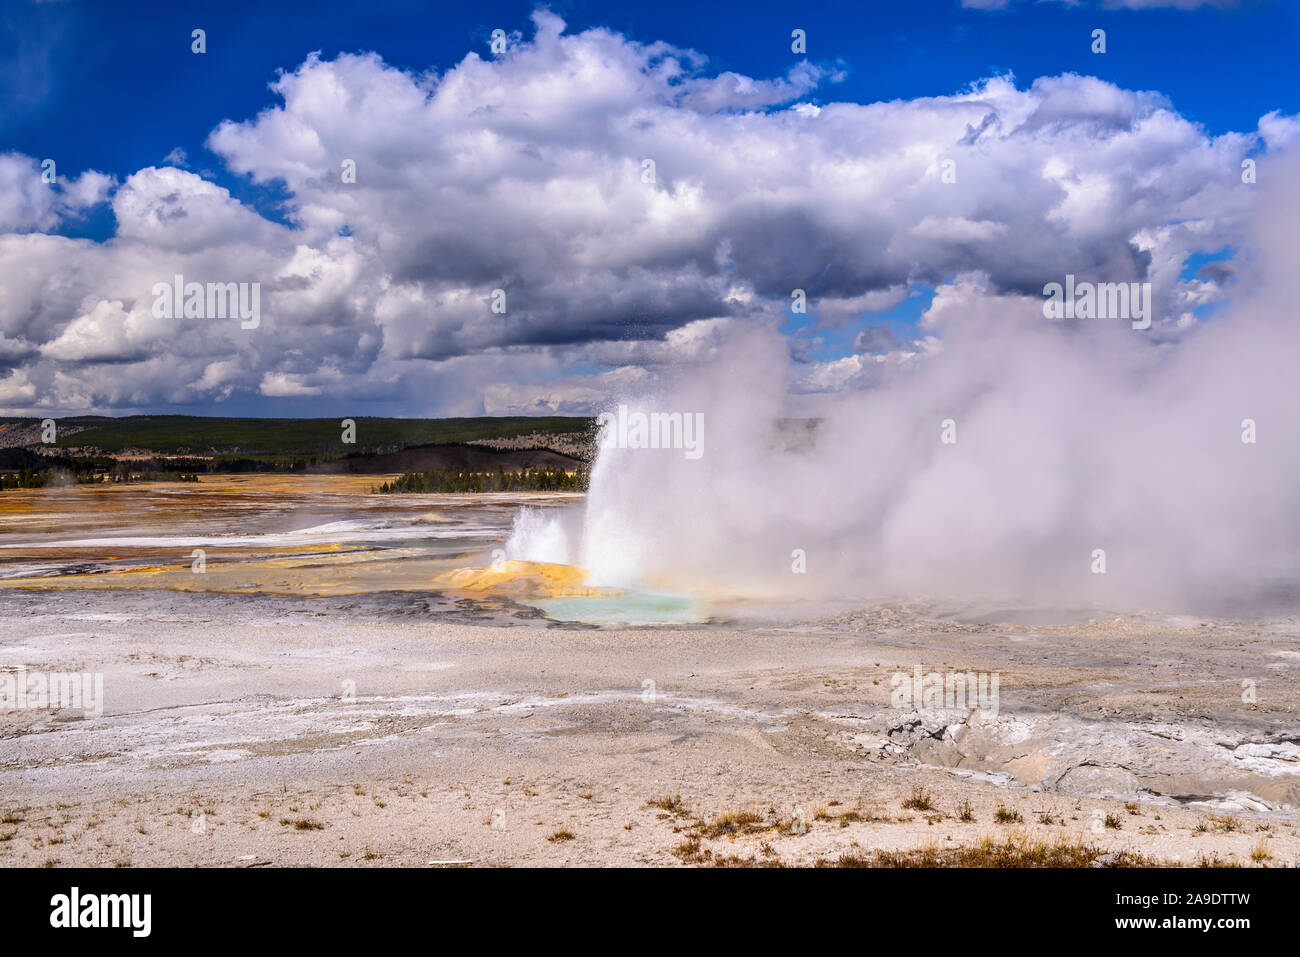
x: 1172, y: 457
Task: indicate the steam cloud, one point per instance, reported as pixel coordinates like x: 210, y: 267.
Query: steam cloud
x: 1071, y: 436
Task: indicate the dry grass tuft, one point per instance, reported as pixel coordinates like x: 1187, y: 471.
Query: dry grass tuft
x: 918, y: 800
x: 1011, y: 852
x: 302, y: 824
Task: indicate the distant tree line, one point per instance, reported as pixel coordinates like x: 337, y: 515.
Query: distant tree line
x: 24, y: 468
x: 255, y: 437
x: 461, y: 480
x: 42, y: 478
x: 21, y: 468
x: 25, y: 479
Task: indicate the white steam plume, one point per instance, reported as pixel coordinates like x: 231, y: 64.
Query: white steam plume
x: 1072, y: 436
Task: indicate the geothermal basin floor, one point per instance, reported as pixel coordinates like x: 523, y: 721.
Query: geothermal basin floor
x: 293, y: 731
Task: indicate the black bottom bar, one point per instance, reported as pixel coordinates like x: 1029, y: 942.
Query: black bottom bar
x: 333, y: 907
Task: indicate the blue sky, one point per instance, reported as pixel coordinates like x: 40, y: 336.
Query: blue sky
x: 117, y: 92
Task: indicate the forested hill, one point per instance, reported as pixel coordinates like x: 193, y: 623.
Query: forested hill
x: 205, y: 436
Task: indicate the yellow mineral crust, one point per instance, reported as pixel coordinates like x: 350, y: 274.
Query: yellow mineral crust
x: 544, y: 579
